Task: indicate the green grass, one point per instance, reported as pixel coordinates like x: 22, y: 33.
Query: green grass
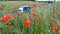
x: 36, y: 27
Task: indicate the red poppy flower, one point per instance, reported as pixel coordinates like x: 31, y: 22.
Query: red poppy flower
x: 1, y: 7
x: 33, y: 13
x: 14, y: 17
x: 28, y: 20
x: 27, y: 24
x: 36, y: 19
x: 55, y: 28
x: 9, y: 16
x: 34, y: 5
x: 53, y: 20
x: 19, y: 14
x: 5, y: 19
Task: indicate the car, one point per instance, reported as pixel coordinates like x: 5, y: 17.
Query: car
x: 24, y: 9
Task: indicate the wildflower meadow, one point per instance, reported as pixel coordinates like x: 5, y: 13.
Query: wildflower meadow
x: 42, y: 18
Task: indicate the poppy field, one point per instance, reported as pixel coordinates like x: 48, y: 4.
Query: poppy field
x: 41, y: 19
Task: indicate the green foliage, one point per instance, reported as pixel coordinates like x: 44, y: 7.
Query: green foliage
x: 36, y: 27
